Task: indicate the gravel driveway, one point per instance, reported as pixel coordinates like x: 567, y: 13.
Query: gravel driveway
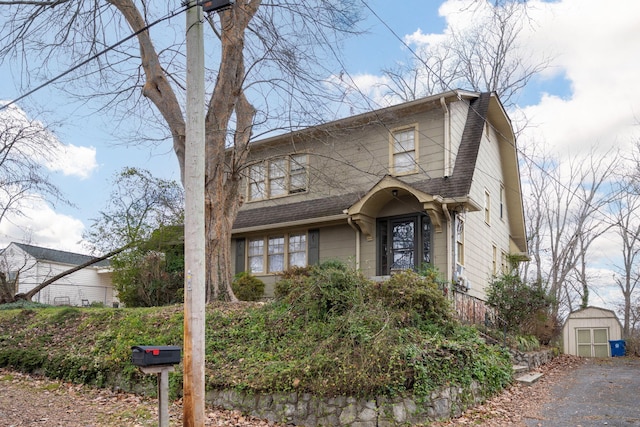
x: 599, y: 392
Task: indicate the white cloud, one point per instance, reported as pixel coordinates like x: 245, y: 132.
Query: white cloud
x: 594, y: 46
x: 41, y: 226
x: 45, y: 147
x: 73, y: 160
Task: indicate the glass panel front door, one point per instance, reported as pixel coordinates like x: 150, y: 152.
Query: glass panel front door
x: 403, y: 235
x: 404, y: 243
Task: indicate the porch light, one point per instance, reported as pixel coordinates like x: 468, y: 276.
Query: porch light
x: 394, y: 193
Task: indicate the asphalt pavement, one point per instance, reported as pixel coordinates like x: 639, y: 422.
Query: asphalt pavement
x: 600, y: 392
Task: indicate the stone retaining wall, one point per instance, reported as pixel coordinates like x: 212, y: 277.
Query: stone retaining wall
x: 308, y: 410
x: 532, y: 359
x: 305, y: 409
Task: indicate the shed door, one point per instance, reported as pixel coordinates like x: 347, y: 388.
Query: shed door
x: 592, y: 342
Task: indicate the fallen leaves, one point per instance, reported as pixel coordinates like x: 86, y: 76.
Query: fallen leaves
x: 518, y: 402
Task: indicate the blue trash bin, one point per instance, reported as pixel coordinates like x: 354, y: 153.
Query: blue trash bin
x: 617, y: 348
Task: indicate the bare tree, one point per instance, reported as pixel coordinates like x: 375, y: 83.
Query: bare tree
x: 268, y: 76
x: 627, y: 226
x: 484, y: 56
x: 25, y: 148
x: 565, y: 205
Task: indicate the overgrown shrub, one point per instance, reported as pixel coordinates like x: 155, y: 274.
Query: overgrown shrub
x: 523, y: 307
x: 289, y: 279
x: 418, y: 296
x: 336, y: 334
x: 247, y: 287
x: 331, y: 289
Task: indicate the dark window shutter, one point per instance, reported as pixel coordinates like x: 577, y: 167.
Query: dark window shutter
x: 313, y: 247
x: 240, y: 244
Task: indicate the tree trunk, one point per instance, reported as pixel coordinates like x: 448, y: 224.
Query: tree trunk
x: 7, y: 291
x: 222, y: 198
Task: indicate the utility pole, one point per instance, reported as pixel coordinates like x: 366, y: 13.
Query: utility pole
x: 194, y: 228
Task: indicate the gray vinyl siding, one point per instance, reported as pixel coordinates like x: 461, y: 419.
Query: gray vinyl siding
x: 345, y: 162
x: 338, y: 243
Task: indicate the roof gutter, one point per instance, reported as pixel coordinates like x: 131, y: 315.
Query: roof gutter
x: 357, y: 230
x: 289, y: 224
x: 447, y: 137
x: 448, y: 242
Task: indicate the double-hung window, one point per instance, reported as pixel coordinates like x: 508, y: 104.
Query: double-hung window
x: 278, y: 177
x: 256, y: 255
x: 501, y: 202
x: 257, y: 181
x: 487, y: 207
x: 404, y: 151
x: 460, y: 239
x: 277, y: 253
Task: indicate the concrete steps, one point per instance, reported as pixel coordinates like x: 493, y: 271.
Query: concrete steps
x: 523, y: 376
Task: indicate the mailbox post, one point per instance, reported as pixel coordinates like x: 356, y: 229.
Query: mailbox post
x: 159, y: 360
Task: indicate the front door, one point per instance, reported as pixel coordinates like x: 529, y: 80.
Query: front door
x: 404, y: 243
x: 592, y: 342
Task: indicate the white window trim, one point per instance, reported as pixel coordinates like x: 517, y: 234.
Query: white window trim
x: 502, y: 202
x: 416, y: 152
x: 265, y: 165
x: 265, y: 251
x: 460, y: 237
x: 487, y: 207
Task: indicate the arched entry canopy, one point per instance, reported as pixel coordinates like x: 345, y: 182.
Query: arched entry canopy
x: 364, y: 212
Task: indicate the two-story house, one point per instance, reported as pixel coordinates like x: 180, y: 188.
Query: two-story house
x: 435, y: 180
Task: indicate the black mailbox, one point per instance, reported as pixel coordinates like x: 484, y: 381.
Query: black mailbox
x: 152, y: 355
x: 215, y: 5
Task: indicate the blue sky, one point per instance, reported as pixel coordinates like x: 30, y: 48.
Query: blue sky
x: 589, y: 96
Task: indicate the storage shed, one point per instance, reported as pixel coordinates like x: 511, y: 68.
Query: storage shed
x: 587, y: 332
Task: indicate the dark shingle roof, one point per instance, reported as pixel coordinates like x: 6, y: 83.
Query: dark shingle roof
x: 457, y: 185
x: 62, y: 257
x: 309, y: 209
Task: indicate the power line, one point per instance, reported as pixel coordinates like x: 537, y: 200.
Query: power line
x: 95, y: 56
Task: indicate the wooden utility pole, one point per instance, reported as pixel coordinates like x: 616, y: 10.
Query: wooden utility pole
x: 194, y: 233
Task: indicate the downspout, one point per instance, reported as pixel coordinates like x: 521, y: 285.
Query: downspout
x: 449, y: 241
x: 447, y: 138
x: 357, y: 230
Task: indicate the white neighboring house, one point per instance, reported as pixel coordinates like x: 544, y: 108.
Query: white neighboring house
x: 32, y: 265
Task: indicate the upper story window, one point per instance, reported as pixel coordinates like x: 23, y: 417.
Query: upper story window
x: 501, y: 202
x: 487, y: 207
x: 404, y: 150
x: 278, y: 177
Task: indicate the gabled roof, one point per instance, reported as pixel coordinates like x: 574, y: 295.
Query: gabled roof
x: 62, y: 257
